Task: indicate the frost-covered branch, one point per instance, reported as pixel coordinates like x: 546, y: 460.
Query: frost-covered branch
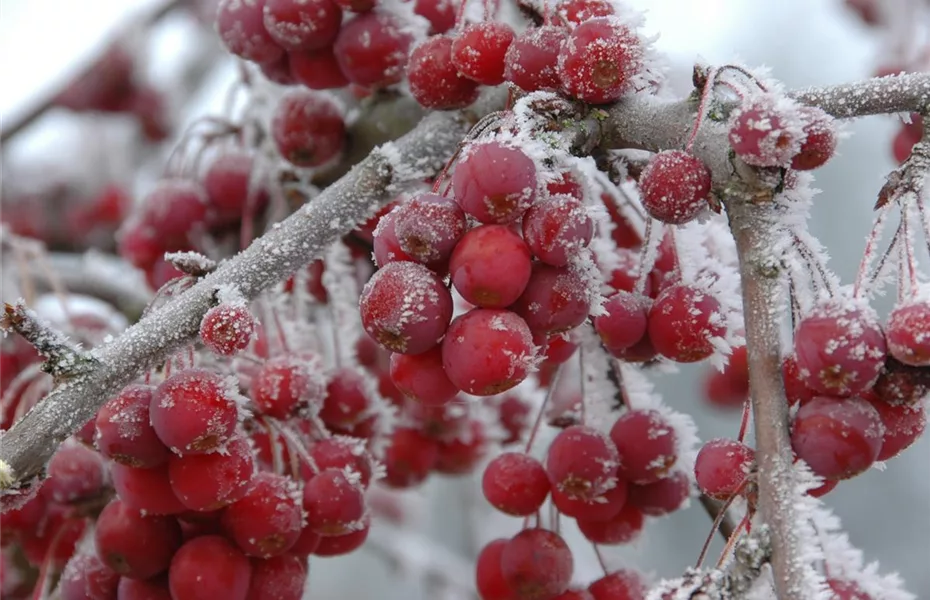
x: 754, y: 228
x: 62, y: 357
x: 885, y: 95
x: 289, y: 245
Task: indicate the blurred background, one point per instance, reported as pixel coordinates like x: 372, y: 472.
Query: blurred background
x: 803, y: 42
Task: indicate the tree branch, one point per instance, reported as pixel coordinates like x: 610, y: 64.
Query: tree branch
x: 754, y: 226
x: 294, y: 242
x: 63, y: 358
x: 893, y: 94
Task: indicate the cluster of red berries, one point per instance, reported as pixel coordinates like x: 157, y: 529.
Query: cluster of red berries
x: 177, y: 214
x: 111, y: 85
x: 585, y: 50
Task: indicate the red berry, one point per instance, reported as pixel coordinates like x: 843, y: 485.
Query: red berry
x: 278, y: 578
x: 288, y: 384
x: 434, y: 80
x: 557, y: 228
x: 902, y: 384
x: 619, y: 585
x: 338, y: 545
x: 268, y: 519
x: 347, y: 399
x: 904, y: 423
x: 515, y: 484
x: 344, y: 453
x: 227, y: 183
x: 372, y: 49
x: 147, y: 490
x: 556, y: 299
x: 729, y: 388
x: 428, y: 227
x: 662, y: 497
x: 461, y: 454
x: 621, y: 529
x: 307, y: 128
x: 386, y: 246
x: 646, y: 444
x: 301, y: 25
x: 675, y: 187
x: 405, y: 307
x: 193, y: 412
x: 75, y: 473
x: 906, y: 138
x: 334, y: 503
x: 537, y: 564
x: 124, y: 432
x: 514, y: 418
x: 908, y: 334
x: 490, y: 266
x: 439, y: 13
x: 576, y: 12
x: 409, y: 458
x: 795, y: 388
x: 85, y: 577
x: 722, y: 466
x: 767, y: 132
x: 317, y: 70
x: 599, y: 59
x: 601, y: 508
x: 173, y: 208
x: 209, y: 567
x: 493, y: 182
x: 582, y: 463
x: 478, y: 51
x: 207, y: 482
x: 820, y: 144
x: 488, y: 351
x: 624, y: 323
x: 840, y: 348
x: 358, y: 6
x: 143, y: 589
x: 838, y: 438
x: 489, y: 576
x: 532, y: 60
x: 227, y: 328
x: 242, y: 30
x: 683, y: 321
x: 135, y: 545
x: 422, y: 377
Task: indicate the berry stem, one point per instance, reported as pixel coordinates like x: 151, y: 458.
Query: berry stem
x: 743, y: 523
x: 744, y: 420
x: 871, y: 246
x: 648, y: 255
x: 63, y: 358
x: 553, y: 384
x: 911, y: 285
x: 706, y: 93
x: 600, y: 559
x: 718, y: 520
x: 814, y: 263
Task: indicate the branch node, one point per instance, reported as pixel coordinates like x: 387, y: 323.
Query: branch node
x: 191, y: 263
x: 62, y: 357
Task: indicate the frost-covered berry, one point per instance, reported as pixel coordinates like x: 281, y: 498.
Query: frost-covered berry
x: 193, y: 411
x: 537, y: 563
x: 488, y: 351
x: 490, y: 266
x: 624, y: 322
x: 227, y: 328
x: 675, y: 186
x: 428, y: 227
x: 371, y: 49
x: 557, y: 228
x: 241, y: 27
x: 495, y: 183
x: 582, y: 463
x: 837, y: 437
x: 908, y: 334
x: 556, y: 299
x: 646, y: 445
x: 683, y: 322
x: 820, y: 141
x: 125, y: 434
x: 434, y: 80
x: 722, y: 466
x: 479, y: 49
x: 405, y: 307
x: 532, y: 60
x: 599, y: 59
x: 302, y: 25
x: 307, y: 128
x: 515, y: 484
x: 904, y: 424
x: 767, y: 131
x: 840, y: 348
